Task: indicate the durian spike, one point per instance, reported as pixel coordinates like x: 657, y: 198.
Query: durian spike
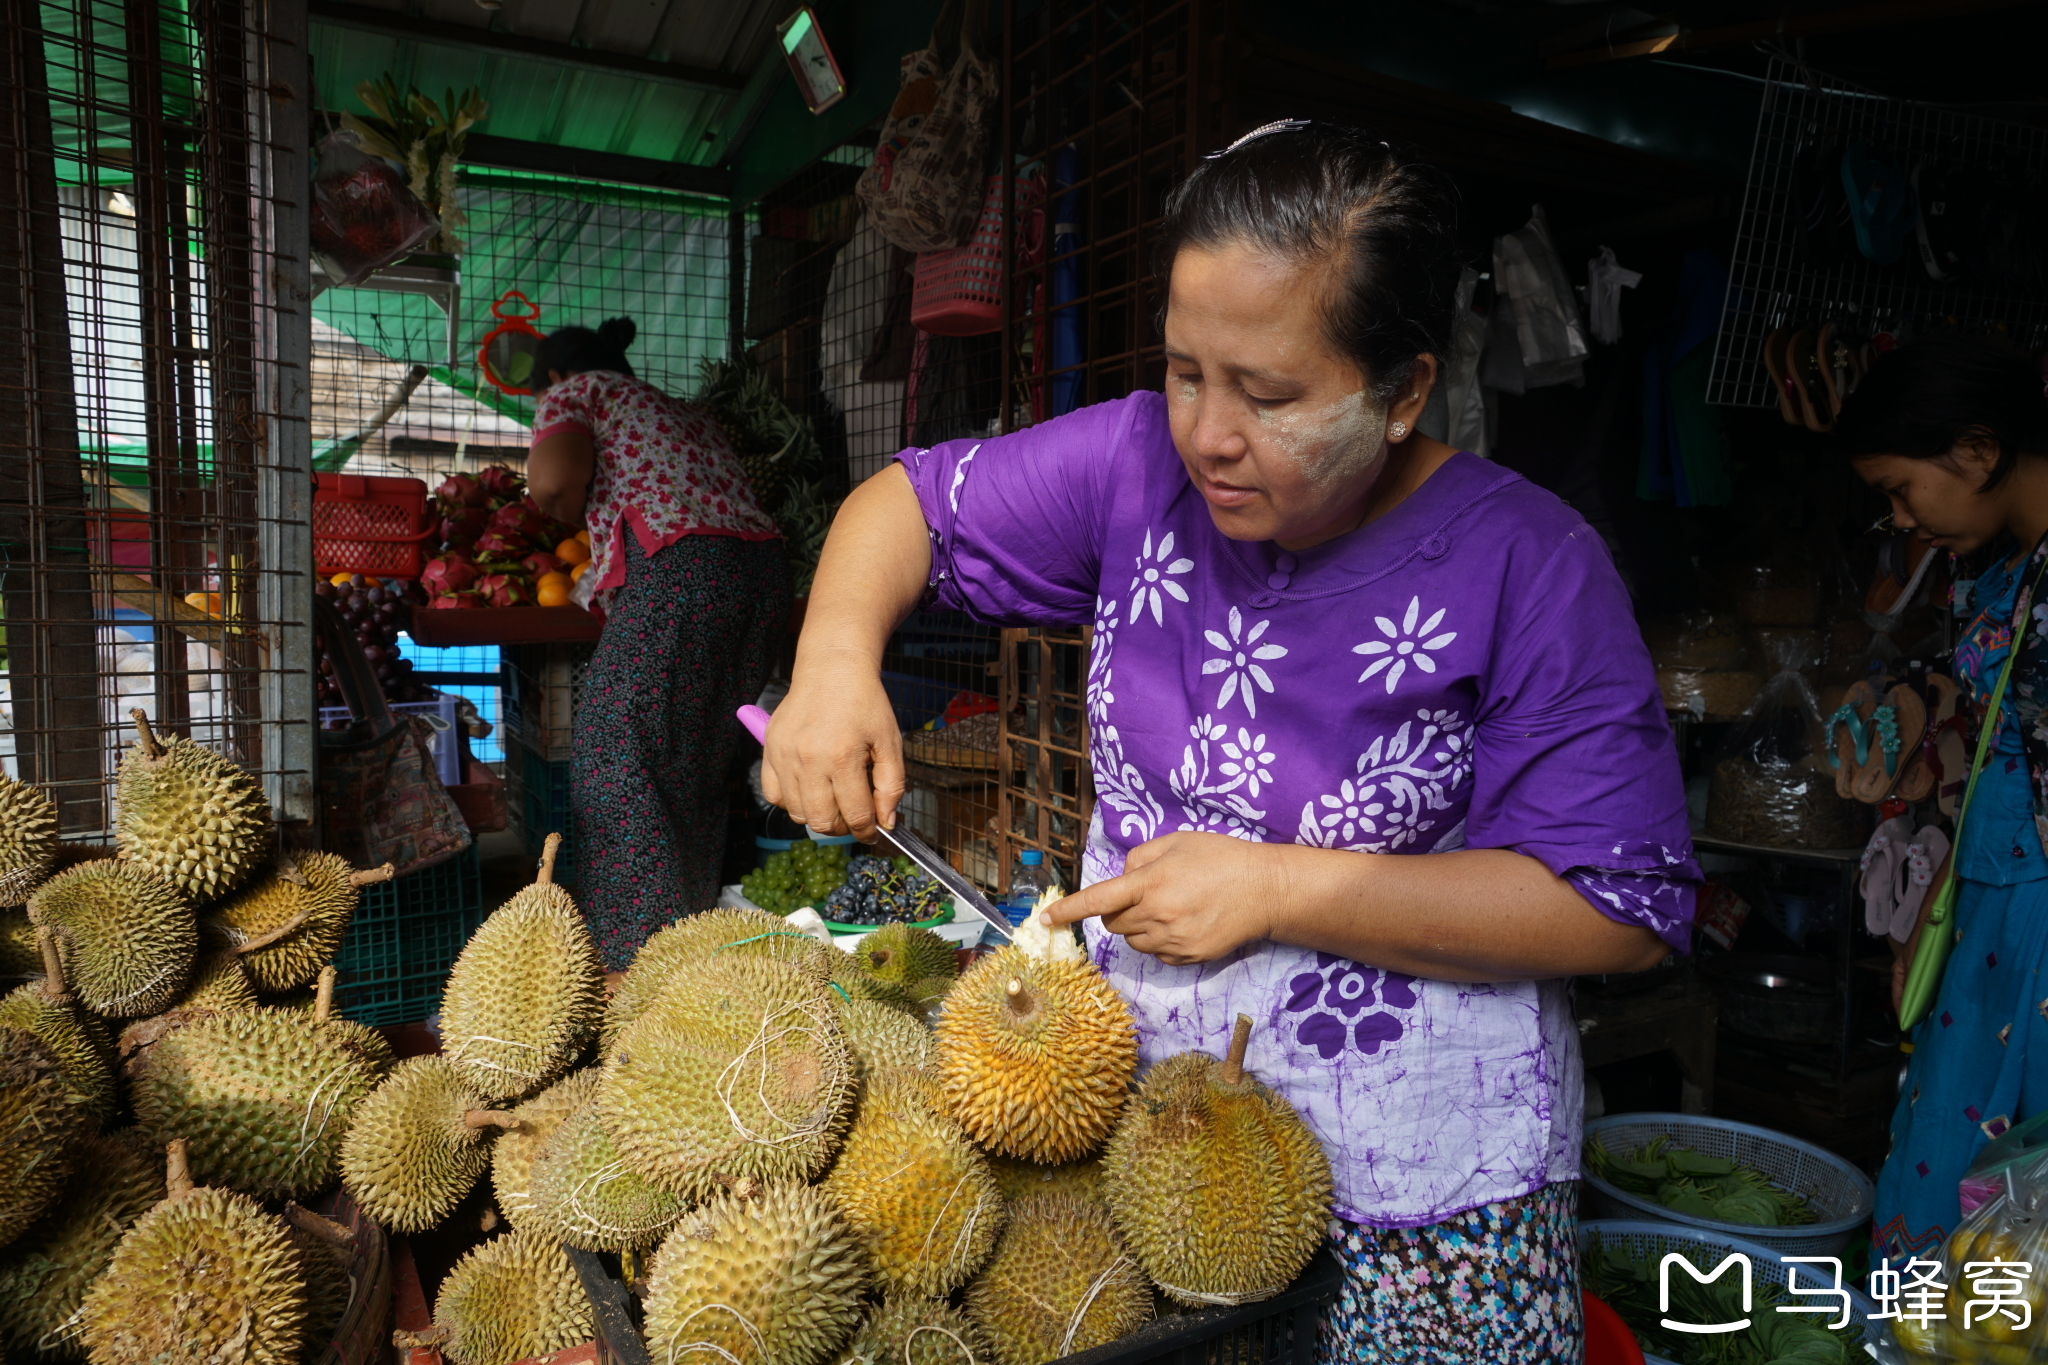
x: 177, y: 1170
x: 53, y: 967
x: 372, y: 876
x: 548, y: 849
x: 1240, y: 1038
x: 282, y: 931
x: 143, y: 737
x: 492, y: 1118
x: 323, y: 999
x: 318, y: 1225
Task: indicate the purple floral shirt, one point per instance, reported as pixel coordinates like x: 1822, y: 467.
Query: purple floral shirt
x: 1463, y: 672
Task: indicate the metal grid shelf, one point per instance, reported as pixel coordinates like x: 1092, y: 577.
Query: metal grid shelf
x: 1771, y: 285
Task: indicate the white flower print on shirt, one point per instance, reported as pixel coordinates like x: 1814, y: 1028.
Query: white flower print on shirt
x: 1405, y: 644
x: 1240, y: 672
x: 1214, y: 803
x: 1118, y: 783
x: 1248, y: 762
x: 1402, y: 780
x: 1155, y: 574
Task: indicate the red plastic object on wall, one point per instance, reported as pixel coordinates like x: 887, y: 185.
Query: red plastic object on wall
x: 959, y: 292
x: 370, y: 524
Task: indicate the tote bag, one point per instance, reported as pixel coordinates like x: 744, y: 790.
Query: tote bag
x: 923, y: 191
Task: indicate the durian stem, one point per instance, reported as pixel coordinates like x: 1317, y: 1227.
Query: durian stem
x: 1020, y: 999
x: 492, y: 1118
x: 1240, y: 1039
x: 143, y: 737
x: 427, y: 1340
x: 53, y: 967
x: 549, y: 847
x: 319, y: 1225
x: 282, y: 931
x: 360, y: 880
x: 323, y: 999
x: 177, y: 1170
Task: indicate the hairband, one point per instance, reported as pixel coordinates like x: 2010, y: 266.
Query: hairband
x: 1284, y: 125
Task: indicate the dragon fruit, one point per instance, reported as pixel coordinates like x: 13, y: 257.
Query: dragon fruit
x: 522, y: 521
x: 449, y: 573
x: 453, y: 601
x: 463, y: 525
x: 506, y: 590
x: 541, y: 562
x: 461, y: 490
x: 499, y: 545
x: 502, y: 485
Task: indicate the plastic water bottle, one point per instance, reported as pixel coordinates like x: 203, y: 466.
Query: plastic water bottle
x: 1030, y: 878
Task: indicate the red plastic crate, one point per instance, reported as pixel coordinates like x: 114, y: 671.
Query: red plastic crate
x: 370, y: 524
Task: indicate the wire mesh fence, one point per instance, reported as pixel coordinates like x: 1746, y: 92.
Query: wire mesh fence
x: 1792, y: 267
x: 152, y: 439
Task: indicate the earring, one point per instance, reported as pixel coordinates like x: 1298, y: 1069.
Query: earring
x: 1398, y: 430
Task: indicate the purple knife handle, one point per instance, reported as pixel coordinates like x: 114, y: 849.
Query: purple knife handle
x: 756, y: 721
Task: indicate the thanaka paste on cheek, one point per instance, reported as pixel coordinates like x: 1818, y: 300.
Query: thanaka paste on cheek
x: 1337, y: 442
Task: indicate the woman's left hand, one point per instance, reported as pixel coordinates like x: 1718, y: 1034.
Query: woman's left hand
x: 1185, y: 898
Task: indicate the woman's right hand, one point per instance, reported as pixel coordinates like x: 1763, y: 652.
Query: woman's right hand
x: 834, y: 758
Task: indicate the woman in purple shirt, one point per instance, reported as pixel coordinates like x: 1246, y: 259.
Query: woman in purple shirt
x: 1320, y: 640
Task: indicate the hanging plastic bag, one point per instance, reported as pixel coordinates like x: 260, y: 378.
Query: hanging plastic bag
x: 364, y: 217
x: 1772, y: 784
x: 923, y: 191
x: 1994, y: 1294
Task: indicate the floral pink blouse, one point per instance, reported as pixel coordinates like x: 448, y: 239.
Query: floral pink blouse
x: 663, y: 468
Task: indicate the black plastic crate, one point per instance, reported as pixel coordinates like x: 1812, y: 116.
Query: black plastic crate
x: 1276, y: 1331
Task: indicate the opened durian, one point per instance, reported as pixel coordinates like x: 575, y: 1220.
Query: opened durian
x: 28, y: 839
x: 77, y: 1039
x: 418, y: 1144
x: 263, y: 1097
x: 915, y: 1193
x: 44, y: 1275
x: 1023, y: 1179
x: 41, y: 1122
x: 19, y: 956
x: 1219, y: 1188
x: 585, y: 1195
x: 762, y: 1276
x: 1036, y: 1050
x: 905, y: 1329
x: 738, y: 1070
x: 128, y: 938
x: 516, y: 1297
x: 514, y: 1151
x: 204, y: 1277
x: 192, y: 817
x: 884, y: 1037
x: 526, y: 994
x: 290, y: 922
x: 695, y: 938
x: 1060, y: 1282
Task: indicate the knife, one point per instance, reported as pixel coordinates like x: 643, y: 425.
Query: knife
x: 909, y: 845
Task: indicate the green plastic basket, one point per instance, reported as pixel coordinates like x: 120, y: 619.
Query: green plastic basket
x: 541, y: 804
x: 404, y: 937
x: 932, y: 923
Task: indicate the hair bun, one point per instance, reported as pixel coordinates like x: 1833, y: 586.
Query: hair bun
x: 617, y: 332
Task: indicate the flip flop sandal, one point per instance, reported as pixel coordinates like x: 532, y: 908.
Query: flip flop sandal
x: 1948, y: 738
x: 1848, y: 735
x: 1880, y: 880
x: 1918, y: 863
x: 1873, y: 781
x: 1915, y: 779
x: 1781, y: 377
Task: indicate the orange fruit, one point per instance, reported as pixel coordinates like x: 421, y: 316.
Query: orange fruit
x: 552, y: 589
x: 342, y: 580
x: 572, y: 551
x: 576, y: 574
x: 584, y: 536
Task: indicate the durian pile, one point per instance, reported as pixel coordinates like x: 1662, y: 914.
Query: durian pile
x: 809, y: 1157
x: 163, y: 1098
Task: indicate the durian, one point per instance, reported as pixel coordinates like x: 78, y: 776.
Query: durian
x: 1036, y: 1055
x: 78, y: 1040
x: 28, y: 839
x: 366, y: 1042
x: 513, y: 1154
x: 695, y: 938
x: 326, y: 1255
x: 184, y: 812
x: 290, y: 922
x: 1060, y: 1282
x: 1023, y: 1179
x: 19, y: 956
x: 915, y: 1193
x: 1219, y: 1188
x: 585, y: 1195
x: 739, y: 1070
x: 219, y: 983
x: 884, y: 1037
x: 418, y: 1144
x: 766, y: 1276
x: 912, y: 960
x: 263, y: 1097
x: 908, y: 1330
x: 526, y: 994
x: 204, y: 1277
x: 44, y: 1275
x: 516, y: 1297
x: 40, y: 1124
x: 127, y: 937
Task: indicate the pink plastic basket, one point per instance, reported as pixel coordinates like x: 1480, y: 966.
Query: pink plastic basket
x: 959, y: 292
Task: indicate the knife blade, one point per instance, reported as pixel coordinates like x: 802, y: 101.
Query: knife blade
x: 910, y: 846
